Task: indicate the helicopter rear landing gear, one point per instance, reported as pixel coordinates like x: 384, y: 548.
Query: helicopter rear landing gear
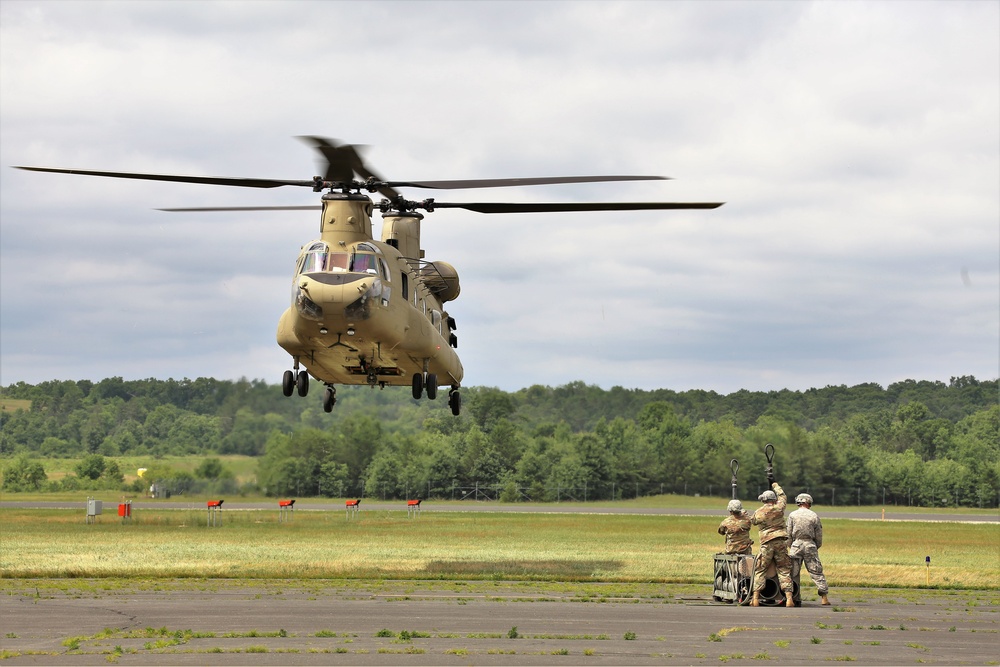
x: 422, y: 381
x: 455, y: 401
x: 329, y: 398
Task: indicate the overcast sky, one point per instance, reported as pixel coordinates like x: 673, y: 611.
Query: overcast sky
x: 856, y: 145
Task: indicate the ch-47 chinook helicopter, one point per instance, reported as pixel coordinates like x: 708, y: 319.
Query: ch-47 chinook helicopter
x: 372, y: 312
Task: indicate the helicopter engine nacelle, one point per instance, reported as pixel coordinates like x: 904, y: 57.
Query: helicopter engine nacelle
x: 443, y: 280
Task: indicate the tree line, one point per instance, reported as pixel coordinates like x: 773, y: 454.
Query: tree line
x: 913, y: 442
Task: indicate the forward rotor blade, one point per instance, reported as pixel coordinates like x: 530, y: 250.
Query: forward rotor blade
x: 343, y: 161
x: 527, y: 207
x: 210, y: 209
x: 514, y: 182
x: 205, y: 180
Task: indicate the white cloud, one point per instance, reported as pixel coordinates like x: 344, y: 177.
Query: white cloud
x: 857, y: 146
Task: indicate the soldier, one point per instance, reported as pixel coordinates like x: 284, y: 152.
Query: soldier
x: 736, y: 528
x: 805, y: 531
x: 773, y: 542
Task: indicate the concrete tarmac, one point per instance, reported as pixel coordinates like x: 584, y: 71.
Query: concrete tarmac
x: 223, y: 622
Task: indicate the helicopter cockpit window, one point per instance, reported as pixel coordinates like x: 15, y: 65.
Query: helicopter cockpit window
x: 364, y: 263
x: 338, y: 261
x: 315, y: 258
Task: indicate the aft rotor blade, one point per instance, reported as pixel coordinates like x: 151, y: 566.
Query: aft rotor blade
x: 210, y: 209
x: 514, y: 182
x: 527, y: 207
x: 205, y: 180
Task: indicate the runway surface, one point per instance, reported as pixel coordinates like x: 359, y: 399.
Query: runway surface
x: 90, y: 622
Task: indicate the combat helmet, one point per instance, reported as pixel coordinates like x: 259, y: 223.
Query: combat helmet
x: 768, y: 497
x: 734, y: 506
x: 803, y: 498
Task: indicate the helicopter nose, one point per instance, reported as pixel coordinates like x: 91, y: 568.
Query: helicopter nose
x: 332, y: 289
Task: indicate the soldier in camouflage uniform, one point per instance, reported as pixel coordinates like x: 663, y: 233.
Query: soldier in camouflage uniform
x: 773, y: 543
x: 806, y: 534
x: 736, y: 528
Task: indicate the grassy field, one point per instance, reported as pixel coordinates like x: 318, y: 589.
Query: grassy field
x: 386, y: 545
x: 665, y: 501
x: 244, y: 468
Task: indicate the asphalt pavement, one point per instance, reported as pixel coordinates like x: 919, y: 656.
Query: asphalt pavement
x: 219, y: 622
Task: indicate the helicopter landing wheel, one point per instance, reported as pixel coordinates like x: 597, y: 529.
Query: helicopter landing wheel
x: 431, y: 384
x: 303, y: 383
x: 455, y: 402
x: 288, y: 383
x: 418, y: 385
x: 329, y: 399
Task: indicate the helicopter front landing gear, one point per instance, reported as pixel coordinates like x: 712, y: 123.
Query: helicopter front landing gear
x: 295, y: 379
x: 329, y: 398
x: 422, y: 381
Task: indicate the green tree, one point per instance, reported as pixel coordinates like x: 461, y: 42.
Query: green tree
x: 333, y: 480
x: 24, y: 473
x: 90, y: 467
x: 112, y: 474
x: 382, y: 477
x: 210, y: 468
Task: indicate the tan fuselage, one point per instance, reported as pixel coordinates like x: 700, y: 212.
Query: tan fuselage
x: 363, y: 311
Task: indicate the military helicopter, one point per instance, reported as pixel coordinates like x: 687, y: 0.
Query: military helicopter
x: 373, y: 312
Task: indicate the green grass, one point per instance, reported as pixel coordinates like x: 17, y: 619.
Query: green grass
x: 244, y: 468
x: 14, y: 404
x: 464, y: 546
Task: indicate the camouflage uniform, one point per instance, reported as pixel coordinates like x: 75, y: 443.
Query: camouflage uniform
x: 773, y: 542
x: 736, y: 528
x: 806, y: 533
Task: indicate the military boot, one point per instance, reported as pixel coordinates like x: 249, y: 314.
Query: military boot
x: 755, y: 601
x: 823, y: 599
x: 789, y: 602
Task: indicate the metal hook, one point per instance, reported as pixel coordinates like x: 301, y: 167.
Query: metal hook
x: 769, y: 453
x: 734, y: 465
